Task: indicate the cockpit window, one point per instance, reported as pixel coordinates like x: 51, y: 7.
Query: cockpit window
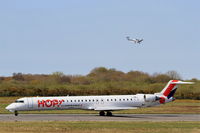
x: 19, y: 101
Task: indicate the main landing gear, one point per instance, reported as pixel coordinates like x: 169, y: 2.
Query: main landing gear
x: 102, y: 113
x: 109, y: 113
x: 16, y: 113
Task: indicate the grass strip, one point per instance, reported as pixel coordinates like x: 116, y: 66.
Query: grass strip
x: 96, y: 127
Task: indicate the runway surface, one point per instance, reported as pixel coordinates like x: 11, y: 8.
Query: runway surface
x: 93, y: 117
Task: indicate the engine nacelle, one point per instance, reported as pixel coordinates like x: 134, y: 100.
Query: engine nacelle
x: 150, y: 98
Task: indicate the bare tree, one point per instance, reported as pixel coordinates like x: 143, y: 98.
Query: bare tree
x: 18, y: 76
x: 173, y: 75
x: 60, y: 77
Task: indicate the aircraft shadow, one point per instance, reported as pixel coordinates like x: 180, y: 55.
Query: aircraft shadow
x: 143, y: 116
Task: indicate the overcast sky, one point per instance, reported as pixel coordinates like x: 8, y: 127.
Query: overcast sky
x: 44, y: 36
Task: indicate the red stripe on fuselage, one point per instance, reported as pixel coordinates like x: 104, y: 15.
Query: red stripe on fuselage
x: 162, y: 100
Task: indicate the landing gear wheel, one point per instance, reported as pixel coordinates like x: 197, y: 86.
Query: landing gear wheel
x: 16, y: 113
x: 102, y: 113
x: 109, y: 113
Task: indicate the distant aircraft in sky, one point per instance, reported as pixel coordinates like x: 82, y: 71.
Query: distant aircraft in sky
x: 105, y: 103
x: 134, y: 40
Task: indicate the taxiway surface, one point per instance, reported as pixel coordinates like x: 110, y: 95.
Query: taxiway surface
x: 93, y: 117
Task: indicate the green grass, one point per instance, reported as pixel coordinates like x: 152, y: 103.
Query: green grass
x: 99, y: 127
x: 176, y: 107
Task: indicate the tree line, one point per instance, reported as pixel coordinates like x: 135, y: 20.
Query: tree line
x: 100, y: 81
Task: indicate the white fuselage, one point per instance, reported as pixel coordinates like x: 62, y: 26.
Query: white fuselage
x: 115, y: 102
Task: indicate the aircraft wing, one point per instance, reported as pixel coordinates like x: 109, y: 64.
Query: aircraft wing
x: 113, y: 108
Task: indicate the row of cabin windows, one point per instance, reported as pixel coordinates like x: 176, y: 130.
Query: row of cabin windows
x: 100, y: 100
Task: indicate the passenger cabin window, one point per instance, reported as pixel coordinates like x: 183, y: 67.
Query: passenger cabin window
x: 19, y: 101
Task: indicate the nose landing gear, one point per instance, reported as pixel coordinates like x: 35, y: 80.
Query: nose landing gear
x: 16, y: 113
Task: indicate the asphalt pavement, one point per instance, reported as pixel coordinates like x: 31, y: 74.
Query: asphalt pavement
x: 94, y: 117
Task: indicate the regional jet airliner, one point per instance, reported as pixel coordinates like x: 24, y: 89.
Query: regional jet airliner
x: 105, y: 104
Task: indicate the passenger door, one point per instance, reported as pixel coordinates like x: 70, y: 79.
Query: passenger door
x: 30, y: 103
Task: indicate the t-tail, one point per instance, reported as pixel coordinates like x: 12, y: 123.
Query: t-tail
x: 167, y: 94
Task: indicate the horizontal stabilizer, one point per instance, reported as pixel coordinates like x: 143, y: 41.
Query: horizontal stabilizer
x: 181, y: 82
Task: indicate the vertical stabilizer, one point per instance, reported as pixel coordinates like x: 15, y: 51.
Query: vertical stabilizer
x: 171, y: 88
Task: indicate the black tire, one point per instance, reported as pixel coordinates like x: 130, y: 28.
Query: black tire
x: 102, y: 113
x: 109, y: 113
x: 16, y: 113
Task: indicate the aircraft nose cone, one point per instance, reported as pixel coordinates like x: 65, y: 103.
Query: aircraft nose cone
x: 10, y: 107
